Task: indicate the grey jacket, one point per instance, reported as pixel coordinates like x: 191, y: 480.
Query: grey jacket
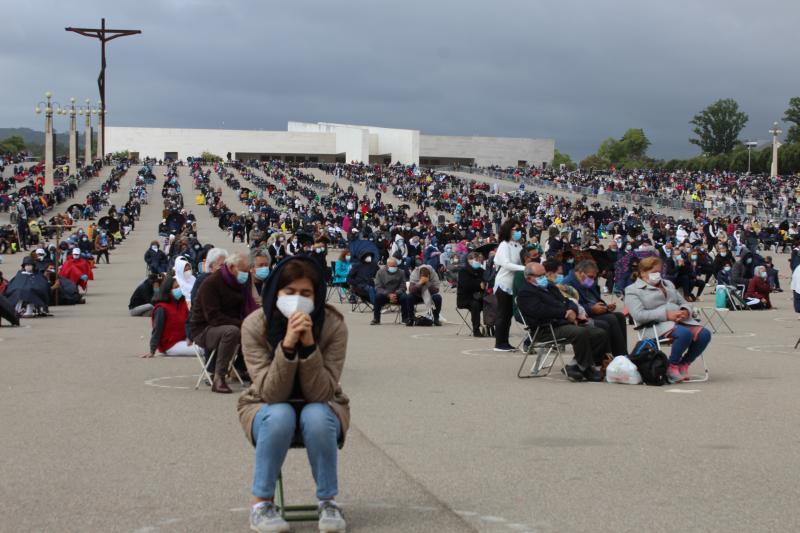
x: 388, y: 283
x: 647, y: 303
x: 424, y: 291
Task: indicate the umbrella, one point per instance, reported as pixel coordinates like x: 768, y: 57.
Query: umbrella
x: 109, y: 224
x: 175, y: 222
x: 486, y: 248
x: 361, y: 247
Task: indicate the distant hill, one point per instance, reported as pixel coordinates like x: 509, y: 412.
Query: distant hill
x: 34, y: 139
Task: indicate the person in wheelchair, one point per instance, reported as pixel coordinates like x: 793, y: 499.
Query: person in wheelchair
x: 361, y: 278
x: 294, y: 347
x: 541, y: 303
x: 653, y: 300
x: 470, y: 292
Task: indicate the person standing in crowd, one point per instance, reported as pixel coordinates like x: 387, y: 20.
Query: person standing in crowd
x: 507, y: 260
x: 101, y: 245
x: 294, y: 347
x: 470, y: 290
x: 169, y: 321
x: 223, y: 301
x: 653, y: 299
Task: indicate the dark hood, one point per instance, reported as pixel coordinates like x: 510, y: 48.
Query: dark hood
x: 269, y: 295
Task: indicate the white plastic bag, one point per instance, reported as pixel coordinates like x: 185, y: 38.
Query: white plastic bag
x: 622, y: 370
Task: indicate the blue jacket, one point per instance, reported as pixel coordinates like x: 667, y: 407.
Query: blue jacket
x: 587, y: 297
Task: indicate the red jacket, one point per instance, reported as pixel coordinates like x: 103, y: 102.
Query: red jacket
x: 758, y: 288
x: 175, y: 326
x: 73, y: 270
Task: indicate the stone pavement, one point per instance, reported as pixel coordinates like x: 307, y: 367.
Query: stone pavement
x: 444, y: 437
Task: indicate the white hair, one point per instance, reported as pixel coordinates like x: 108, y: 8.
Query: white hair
x: 213, y: 255
x: 237, y: 257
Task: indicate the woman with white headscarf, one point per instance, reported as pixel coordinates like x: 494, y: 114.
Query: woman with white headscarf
x: 184, y: 277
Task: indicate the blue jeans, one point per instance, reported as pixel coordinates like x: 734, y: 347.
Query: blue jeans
x: 273, y: 430
x: 682, y: 341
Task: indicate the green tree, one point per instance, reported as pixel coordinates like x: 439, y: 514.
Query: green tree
x: 634, y: 144
x: 562, y: 159
x: 612, y: 150
x: 209, y: 157
x: 596, y: 162
x: 718, y: 127
x: 793, y: 115
x: 12, y: 145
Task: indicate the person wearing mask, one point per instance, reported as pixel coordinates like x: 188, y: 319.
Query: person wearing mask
x: 76, y: 269
x: 399, y: 251
x: 223, y: 301
x: 319, y: 253
x: 169, y: 321
x: 185, y: 278
x: 28, y: 291
x: 742, y: 271
x: 604, y: 315
x: 277, y: 249
x: 470, y: 291
x: 757, y: 293
x: 340, y: 272
x: 541, y: 303
x: 361, y: 278
x: 214, y: 259
x: 424, y: 288
x: 693, y: 280
x: 294, y: 347
x: 508, y: 260
x: 390, y: 287
x: 721, y: 260
x: 155, y: 259
x: 102, y: 243
x: 141, y: 302
x: 294, y: 247
x: 651, y: 299
x: 259, y: 258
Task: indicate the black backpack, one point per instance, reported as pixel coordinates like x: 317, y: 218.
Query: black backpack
x: 424, y: 321
x: 650, y: 361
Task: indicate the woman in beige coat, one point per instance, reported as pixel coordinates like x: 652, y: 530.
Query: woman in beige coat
x: 294, y: 348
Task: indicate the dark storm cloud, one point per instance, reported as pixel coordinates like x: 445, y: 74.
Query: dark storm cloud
x: 575, y: 71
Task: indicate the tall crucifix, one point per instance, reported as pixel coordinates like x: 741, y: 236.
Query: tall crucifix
x: 104, y: 35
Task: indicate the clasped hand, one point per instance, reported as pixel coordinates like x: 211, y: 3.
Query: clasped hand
x: 299, y: 329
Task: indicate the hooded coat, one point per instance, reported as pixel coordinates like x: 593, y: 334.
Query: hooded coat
x: 276, y: 378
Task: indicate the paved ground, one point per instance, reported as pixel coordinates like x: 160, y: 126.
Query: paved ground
x: 444, y: 438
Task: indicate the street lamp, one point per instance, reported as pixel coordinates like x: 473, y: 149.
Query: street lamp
x: 49, y: 138
x: 750, y: 145
x: 73, y: 137
x: 87, y: 110
x: 101, y: 112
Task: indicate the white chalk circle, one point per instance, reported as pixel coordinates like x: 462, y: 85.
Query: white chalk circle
x: 773, y: 348
x: 156, y: 382
x: 786, y: 319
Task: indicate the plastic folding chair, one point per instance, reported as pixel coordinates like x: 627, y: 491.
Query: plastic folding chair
x: 207, y: 362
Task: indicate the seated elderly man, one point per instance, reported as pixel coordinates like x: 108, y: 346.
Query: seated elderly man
x: 584, y: 280
x: 390, y: 287
x: 542, y: 303
x: 225, y: 298
x: 260, y: 259
x: 424, y: 287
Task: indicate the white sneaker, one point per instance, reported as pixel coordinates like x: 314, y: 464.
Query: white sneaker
x: 330, y: 518
x: 266, y: 518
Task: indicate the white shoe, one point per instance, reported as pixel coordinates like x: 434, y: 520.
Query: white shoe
x: 330, y: 518
x: 266, y: 518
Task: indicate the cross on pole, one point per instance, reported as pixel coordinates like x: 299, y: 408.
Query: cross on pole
x: 104, y: 35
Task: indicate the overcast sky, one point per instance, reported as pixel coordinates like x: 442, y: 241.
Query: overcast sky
x: 575, y: 71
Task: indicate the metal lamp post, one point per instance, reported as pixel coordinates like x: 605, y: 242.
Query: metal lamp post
x: 101, y: 112
x: 775, y: 145
x: 87, y: 134
x: 49, y: 138
x: 750, y: 145
x: 73, y: 137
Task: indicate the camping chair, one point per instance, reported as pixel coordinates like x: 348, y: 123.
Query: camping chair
x: 358, y: 303
x: 735, y: 295
x: 666, y: 341
x: 712, y: 313
x: 393, y: 308
x: 296, y: 513
x: 463, y: 314
x: 550, y: 349
x: 207, y: 362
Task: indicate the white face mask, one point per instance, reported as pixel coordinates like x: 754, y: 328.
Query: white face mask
x: 288, y: 304
x: 368, y: 259
x: 154, y: 248
x: 654, y: 277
